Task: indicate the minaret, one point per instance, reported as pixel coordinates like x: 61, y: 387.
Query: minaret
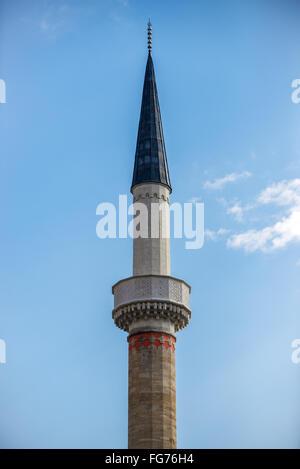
x: 151, y: 305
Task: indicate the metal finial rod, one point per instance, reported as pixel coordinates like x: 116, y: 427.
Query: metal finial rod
x: 149, y: 36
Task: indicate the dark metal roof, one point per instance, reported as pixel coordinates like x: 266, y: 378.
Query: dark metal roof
x: 150, y: 157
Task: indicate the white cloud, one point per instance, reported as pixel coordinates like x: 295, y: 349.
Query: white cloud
x: 237, y: 211
x: 270, y: 238
x: 216, y: 235
x: 282, y: 193
x: 283, y: 232
x: 221, y: 182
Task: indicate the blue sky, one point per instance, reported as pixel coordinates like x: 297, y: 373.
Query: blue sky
x: 74, y: 74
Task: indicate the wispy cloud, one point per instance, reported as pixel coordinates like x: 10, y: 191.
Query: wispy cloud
x: 285, y: 231
x: 117, y: 12
x: 51, y: 27
x: 221, y: 182
x: 216, y: 235
x: 238, y: 211
x: 282, y: 193
x: 54, y: 18
x: 235, y: 208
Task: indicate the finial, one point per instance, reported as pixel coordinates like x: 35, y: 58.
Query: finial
x: 149, y: 36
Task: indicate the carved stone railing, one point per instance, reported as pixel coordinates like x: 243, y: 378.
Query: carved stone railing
x: 151, y: 296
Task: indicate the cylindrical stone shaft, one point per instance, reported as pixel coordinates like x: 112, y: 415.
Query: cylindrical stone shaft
x: 151, y: 254
x: 152, y: 392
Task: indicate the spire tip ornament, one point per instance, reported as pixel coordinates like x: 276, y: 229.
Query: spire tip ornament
x: 149, y: 36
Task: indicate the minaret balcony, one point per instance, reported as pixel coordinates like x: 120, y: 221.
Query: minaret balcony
x: 146, y: 297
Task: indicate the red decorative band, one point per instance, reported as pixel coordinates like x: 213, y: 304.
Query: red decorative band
x: 151, y: 338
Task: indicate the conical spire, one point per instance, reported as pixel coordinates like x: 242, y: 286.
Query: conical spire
x: 150, y: 157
